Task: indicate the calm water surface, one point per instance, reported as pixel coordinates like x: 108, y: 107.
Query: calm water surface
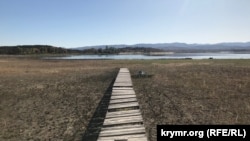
x: 146, y: 57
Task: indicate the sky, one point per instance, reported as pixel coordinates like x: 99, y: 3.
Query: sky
x: 77, y: 23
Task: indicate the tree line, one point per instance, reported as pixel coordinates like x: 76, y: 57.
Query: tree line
x: 34, y: 49
x: 113, y: 50
x: 46, y: 49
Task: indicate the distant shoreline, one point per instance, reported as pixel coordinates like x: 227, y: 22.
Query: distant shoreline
x: 146, y: 53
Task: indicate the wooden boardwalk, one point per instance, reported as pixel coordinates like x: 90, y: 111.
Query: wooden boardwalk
x: 123, y: 121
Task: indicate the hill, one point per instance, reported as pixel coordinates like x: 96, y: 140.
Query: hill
x: 117, y: 49
x: 182, y: 47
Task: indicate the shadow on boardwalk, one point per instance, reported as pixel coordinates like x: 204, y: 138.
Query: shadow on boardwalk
x: 96, y: 122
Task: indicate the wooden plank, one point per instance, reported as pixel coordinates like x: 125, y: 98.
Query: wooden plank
x: 122, y: 100
x: 115, y: 119
x: 138, y: 139
x: 120, y: 94
x: 124, y: 74
x: 124, y: 71
x: 122, y: 120
x: 123, y: 81
x: 122, y: 127
x: 123, y: 96
x: 122, y: 88
x: 120, y: 132
x: 123, y: 77
x: 123, y: 105
x: 114, y: 115
x: 122, y: 85
x: 123, y: 115
x: 123, y: 112
x: 134, y: 137
x: 123, y: 93
x: 130, y: 83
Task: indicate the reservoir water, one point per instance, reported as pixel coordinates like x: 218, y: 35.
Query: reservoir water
x: 147, y: 57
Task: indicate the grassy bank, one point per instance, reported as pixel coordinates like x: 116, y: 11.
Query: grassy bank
x: 55, y: 99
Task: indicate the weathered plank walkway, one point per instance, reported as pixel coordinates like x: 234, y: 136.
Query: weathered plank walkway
x: 123, y: 121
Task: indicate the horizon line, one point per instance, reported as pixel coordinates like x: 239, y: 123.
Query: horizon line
x: 227, y: 42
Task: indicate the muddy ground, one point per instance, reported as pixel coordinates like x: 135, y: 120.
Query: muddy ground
x: 56, y: 99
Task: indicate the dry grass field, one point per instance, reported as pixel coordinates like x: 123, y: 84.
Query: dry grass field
x: 55, y: 99
x: 194, y: 92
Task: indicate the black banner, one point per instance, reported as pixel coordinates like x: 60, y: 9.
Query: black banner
x: 203, y: 132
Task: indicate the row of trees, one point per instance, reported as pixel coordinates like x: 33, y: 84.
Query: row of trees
x: 112, y: 50
x: 45, y: 49
x: 33, y: 49
x: 106, y: 50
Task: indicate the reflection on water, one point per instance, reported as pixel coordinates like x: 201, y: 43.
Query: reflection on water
x: 146, y: 57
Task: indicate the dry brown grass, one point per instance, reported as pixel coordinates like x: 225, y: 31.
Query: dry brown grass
x: 203, y: 92
x: 49, y: 99
x: 42, y: 100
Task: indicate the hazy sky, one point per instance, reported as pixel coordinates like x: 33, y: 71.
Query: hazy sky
x: 75, y: 23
